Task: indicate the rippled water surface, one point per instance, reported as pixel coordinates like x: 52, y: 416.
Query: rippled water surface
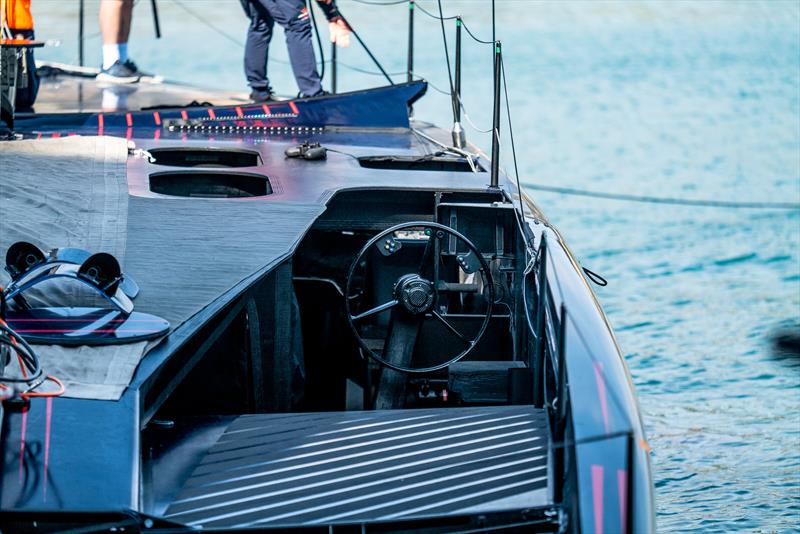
x: 679, y: 99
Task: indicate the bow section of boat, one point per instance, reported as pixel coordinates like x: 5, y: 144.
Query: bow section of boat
x: 382, y: 108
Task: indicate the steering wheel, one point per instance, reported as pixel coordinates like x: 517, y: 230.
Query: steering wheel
x: 415, y: 295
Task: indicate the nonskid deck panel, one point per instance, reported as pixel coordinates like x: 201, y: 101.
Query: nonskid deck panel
x: 283, y: 469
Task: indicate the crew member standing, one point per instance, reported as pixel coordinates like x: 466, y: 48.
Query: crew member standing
x: 293, y: 16
x: 115, y: 26
x: 18, y: 19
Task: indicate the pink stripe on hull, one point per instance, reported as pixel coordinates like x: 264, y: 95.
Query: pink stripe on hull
x: 601, y: 392
x: 597, y: 497
x: 48, y: 420
x: 22, y: 442
x: 622, y: 489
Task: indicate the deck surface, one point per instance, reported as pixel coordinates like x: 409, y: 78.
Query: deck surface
x: 368, y: 466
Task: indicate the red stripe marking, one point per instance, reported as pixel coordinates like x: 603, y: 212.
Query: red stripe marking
x: 157, y: 118
x: 601, y: 391
x: 266, y: 109
x: 211, y: 113
x: 48, y: 420
x: 71, y: 135
x: 39, y: 135
x: 157, y: 135
x: 184, y: 115
x: 258, y: 122
x: 129, y: 119
x: 294, y: 108
x: 239, y: 112
x: 128, y: 133
x: 597, y: 497
x: 622, y: 488
x: 22, y: 442
x: 56, y: 135
x: 100, y: 124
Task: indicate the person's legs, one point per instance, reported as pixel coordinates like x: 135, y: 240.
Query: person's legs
x: 293, y: 16
x: 115, y: 26
x: 27, y: 96
x: 256, y: 51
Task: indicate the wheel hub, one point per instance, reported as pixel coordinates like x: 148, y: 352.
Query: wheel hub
x: 414, y: 293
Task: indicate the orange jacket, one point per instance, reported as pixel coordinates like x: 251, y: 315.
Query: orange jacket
x: 18, y: 14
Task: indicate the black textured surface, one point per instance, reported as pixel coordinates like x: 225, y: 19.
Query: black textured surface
x: 368, y: 466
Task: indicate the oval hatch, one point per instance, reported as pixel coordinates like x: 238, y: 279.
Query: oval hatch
x: 210, y: 184
x: 205, y: 157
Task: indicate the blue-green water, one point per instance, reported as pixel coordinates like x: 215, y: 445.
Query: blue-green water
x: 679, y: 99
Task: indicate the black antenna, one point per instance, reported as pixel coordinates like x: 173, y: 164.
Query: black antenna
x: 447, y: 60
x: 333, y: 68
x: 494, y: 34
x: 80, y: 33
x: 156, y: 25
x: 459, y: 139
x: 495, y: 177
x: 410, y: 69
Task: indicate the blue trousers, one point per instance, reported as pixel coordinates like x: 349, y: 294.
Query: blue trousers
x: 291, y: 15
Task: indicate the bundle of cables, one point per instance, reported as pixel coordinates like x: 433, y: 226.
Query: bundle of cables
x: 30, y: 376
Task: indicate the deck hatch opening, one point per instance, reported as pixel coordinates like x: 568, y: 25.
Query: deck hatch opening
x: 418, y: 163
x: 210, y: 184
x: 205, y: 157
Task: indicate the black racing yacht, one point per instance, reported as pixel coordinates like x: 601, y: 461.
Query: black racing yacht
x: 314, y: 315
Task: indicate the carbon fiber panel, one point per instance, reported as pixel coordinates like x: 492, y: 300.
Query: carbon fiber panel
x: 315, y: 468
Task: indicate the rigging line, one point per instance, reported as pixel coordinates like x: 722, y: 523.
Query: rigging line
x: 469, y: 120
x: 435, y: 87
x: 665, y: 200
x: 447, y: 59
x: 366, y: 49
x: 366, y: 71
x: 319, y: 41
x: 208, y: 24
x: 511, y: 134
x: 431, y: 15
x: 473, y: 35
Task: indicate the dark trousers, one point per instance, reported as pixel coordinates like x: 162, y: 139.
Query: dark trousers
x: 26, y: 97
x: 291, y: 15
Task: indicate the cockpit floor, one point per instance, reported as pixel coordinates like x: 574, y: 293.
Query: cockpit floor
x: 313, y: 468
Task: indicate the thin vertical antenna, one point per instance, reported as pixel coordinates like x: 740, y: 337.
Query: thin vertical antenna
x: 447, y: 56
x: 156, y: 24
x: 494, y: 33
x: 410, y: 69
x: 459, y: 139
x: 495, y: 177
x: 80, y: 33
x: 333, y: 68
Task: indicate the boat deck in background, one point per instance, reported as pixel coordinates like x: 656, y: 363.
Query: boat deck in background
x: 66, y: 88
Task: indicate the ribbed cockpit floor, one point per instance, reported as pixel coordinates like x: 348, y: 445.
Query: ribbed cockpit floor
x: 340, y: 467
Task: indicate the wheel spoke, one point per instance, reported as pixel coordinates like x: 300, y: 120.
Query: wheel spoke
x: 426, y: 254
x: 377, y: 309
x: 452, y: 329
